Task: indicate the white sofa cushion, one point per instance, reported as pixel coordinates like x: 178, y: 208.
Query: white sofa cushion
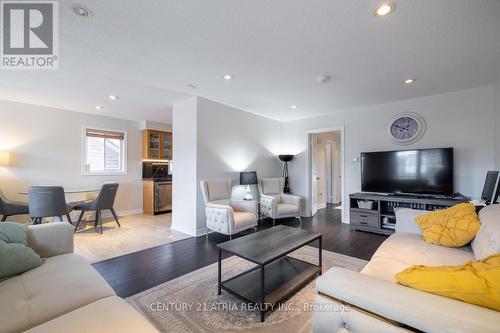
x: 402, y: 250
x: 487, y: 241
x: 110, y: 315
x: 424, y: 311
x: 406, y: 220
x: 60, y: 285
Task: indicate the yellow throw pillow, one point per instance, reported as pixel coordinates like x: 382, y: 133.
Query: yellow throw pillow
x: 453, y: 227
x: 476, y: 282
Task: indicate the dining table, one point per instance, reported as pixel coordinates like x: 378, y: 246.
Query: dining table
x: 74, y: 195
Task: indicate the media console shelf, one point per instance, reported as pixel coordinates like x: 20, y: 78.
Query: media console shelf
x: 381, y: 218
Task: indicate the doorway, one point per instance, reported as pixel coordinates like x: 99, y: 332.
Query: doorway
x: 325, y: 172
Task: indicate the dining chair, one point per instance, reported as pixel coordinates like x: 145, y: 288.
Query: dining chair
x: 105, y: 200
x: 47, y: 201
x: 10, y: 208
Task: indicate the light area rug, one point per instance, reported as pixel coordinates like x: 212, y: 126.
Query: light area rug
x: 190, y: 303
x: 138, y: 232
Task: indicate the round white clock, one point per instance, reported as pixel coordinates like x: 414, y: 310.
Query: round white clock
x: 406, y: 128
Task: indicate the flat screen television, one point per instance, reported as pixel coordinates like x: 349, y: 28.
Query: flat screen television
x: 419, y: 171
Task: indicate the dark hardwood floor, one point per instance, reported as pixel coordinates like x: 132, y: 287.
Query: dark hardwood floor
x: 136, y: 272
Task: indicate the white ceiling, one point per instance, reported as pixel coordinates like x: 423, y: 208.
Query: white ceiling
x: 146, y: 52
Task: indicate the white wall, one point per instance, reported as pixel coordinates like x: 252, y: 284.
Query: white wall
x: 227, y: 141
x: 46, y: 148
x: 464, y: 120
x: 154, y: 125
x: 497, y: 124
x: 184, y: 181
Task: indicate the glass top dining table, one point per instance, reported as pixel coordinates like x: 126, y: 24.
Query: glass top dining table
x: 72, y: 190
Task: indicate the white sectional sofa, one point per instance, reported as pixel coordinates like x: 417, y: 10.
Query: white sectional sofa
x: 376, y: 303
x: 64, y: 294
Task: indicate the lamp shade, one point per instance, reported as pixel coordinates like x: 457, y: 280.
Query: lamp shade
x: 248, y: 178
x: 4, y: 158
x: 285, y: 158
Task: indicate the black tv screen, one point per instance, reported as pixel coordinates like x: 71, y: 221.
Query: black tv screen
x: 421, y: 171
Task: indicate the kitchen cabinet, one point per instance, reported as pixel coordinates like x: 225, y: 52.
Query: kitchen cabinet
x: 157, y: 145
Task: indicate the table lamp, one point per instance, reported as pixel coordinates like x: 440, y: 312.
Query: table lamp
x: 248, y: 178
x: 4, y: 158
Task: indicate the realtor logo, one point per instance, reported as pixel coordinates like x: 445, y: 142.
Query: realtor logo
x: 29, y: 35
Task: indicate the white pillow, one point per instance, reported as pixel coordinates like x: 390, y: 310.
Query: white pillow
x: 405, y: 220
x: 487, y: 241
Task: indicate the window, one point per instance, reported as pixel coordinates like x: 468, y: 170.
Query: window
x: 104, y: 152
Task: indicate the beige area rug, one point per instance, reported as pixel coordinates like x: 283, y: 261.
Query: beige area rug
x: 137, y: 232
x: 190, y: 303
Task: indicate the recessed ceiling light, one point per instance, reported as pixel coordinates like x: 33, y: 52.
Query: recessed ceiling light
x: 81, y: 10
x: 228, y: 77
x: 99, y: 107
x: 113, y: 97
x: 384, y: 9
x: 323, y: 78
x: 293, y: 106
x: 409, y: 81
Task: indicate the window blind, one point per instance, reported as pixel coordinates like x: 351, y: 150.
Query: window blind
x: 94, y: 133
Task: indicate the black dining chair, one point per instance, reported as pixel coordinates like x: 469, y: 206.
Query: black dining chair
x: 47, y: 201
x: 105, y: 200
x: 10, y: 208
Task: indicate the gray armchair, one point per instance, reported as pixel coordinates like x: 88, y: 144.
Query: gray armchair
x: 224, y: 215
x: 276, y: 204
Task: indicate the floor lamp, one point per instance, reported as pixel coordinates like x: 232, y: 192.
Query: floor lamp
x: 284, y: 172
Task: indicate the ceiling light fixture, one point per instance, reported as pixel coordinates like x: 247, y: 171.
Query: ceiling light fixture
x: 81, y: 10
x: 384, y: 9
x: 409, y: 81
x: 113, y: 97
x: 227, y: 77
x: 99, y: 107
x: 324, y: 78
x: 293, y: 106
x: 192, y: 86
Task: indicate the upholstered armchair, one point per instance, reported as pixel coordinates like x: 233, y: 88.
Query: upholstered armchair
x: 224, y: 215
x: 276, y: 204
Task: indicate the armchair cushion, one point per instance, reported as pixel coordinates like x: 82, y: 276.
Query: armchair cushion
x: 249, y: 206
x: 214, y: 190
x: 271, y: 185
x: 291, y: 199
x: 286, y: 209
x: 242, y: 220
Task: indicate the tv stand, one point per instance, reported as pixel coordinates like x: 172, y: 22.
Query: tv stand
x: 381, y: 218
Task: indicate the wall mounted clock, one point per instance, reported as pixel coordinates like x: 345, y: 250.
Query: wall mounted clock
x: 406, y: 128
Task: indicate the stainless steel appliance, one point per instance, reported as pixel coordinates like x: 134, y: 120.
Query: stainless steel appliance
x: 162, y: 197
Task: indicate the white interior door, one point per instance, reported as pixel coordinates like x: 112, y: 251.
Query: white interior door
x: 336, y: 173
x: 314, y: 177
x: 329, y: 173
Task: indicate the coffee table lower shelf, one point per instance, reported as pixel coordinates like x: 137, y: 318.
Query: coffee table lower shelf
x: 281, y: 279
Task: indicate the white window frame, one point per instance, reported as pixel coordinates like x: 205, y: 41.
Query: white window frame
x: 85, y: 171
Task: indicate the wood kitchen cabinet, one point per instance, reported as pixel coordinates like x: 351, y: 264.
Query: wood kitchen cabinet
x: 156, y: 145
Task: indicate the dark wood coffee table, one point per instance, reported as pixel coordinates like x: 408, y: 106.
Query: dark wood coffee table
x: 276, y: 276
